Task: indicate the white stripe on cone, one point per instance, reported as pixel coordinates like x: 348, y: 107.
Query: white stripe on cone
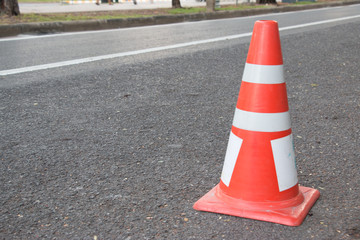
x: 264, y: 74
x: 261, y: 122
x: 284, y: 158
x: 232, y: 153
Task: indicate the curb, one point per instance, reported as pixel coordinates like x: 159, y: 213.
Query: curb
x: 73, y: 26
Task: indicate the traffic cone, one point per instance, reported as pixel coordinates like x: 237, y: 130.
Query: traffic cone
x: 259, y: 177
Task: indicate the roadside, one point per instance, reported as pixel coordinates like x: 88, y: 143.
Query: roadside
x: 90, y: 17
x: 47, y: 12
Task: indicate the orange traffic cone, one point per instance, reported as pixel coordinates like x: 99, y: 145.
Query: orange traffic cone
x: 259, y: 178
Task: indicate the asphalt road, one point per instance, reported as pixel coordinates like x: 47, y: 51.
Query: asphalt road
x: 121, y: 148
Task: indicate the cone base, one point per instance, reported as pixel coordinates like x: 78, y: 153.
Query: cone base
x: 291, y: 216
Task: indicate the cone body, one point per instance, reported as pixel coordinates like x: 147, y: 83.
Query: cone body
x: 259, y: 178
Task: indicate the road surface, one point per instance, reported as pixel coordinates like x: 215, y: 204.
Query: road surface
x: 115, y: 134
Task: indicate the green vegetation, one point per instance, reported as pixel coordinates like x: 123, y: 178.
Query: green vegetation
x: 39, y: 1
x: 304, y: 2
x: 242, y: 7
x: 186, y: 10
x: 57, y: 17
x: 33, y: 17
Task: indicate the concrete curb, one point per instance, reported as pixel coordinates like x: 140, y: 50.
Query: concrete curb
x: 72, y: 26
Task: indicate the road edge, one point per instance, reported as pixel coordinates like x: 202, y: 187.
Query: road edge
x: 89, y: 25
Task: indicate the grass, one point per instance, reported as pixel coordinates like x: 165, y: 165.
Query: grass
x: 242, y: 7
x: 33, y: 17
x: 186, y: 10
x: 38, y: 1
x: 76, y: 16
x: 304, y: 2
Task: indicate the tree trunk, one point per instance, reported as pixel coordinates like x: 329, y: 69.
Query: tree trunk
x: 210, y: 5
x: 9, y: 7
x: 176, y: 4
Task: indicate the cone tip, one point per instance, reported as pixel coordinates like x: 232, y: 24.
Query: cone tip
x: 265, y: 48
x: 266, y: 22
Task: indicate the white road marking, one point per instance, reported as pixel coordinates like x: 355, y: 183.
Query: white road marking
x: 117, y: 55
x: 26, y: 37
x: 156, y: 49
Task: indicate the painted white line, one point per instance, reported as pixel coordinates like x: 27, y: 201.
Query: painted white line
x: 319, y: 23
x: 28, y: 37
x: 156, y: 49
x: 117, y: 55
